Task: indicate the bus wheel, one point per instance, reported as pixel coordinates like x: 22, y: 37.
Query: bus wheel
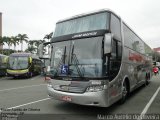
x: 30, y: 75
x: 124, y: 93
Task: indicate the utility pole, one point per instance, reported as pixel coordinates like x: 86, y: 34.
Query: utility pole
x: 1, y: 46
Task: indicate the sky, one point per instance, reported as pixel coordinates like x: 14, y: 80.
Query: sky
x: 36, y: 18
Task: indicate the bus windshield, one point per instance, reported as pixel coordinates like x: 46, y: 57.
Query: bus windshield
x: 84, y: 58
x: 18, y: 62
x: 93, y: 22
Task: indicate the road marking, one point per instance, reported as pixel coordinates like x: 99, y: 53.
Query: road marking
x: 4, y: 78
x: 149, y: 104
x: 11, y: 78
x: 21, y: 87
x: 27, y: 103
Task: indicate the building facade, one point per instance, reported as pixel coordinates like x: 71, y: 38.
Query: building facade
x: 157, y: 49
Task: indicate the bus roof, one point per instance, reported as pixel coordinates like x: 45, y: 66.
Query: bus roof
x: 23, y: 54
x: 86, y: 14
x: 20, y: 54
x: 95, y: 12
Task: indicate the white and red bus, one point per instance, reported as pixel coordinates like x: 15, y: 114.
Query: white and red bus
x: 97, y: 59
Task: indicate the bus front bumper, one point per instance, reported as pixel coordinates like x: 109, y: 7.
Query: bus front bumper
x: 99, y: 98
x: 17, y: 72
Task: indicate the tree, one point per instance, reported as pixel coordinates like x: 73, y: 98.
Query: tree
x: 2, y: 42
x: 31, y: 42
x: 38, y: 42
x: 30, y: 49
x: 34, y: 44
x: 15, y: 41
x: 9, y: 41
x: 22, y: 38
x: 48, y: 36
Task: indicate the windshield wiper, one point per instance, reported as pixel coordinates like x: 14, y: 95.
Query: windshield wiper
x: 76, y: 62
x: 18, y: 63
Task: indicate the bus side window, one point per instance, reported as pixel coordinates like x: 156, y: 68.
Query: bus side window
x: 115, y: 59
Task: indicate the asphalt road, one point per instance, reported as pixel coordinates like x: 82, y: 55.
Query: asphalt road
x: 28, y: 98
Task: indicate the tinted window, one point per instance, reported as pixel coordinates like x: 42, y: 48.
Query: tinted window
x: 132, y: 41
x: 115, y: 27
x: 128, y: 36
x: 147, y: 50
x: 88, y: 53
x: 18, y: 62
x: 83, y: 24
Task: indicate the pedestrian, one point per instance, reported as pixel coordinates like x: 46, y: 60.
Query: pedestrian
x: 155, y: 70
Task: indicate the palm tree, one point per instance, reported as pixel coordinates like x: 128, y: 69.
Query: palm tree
x: 34, y: 44
x: 9, y: 41
x: 31, y: 42
x: 15, y: 41
x: 22, y: 38
x: 48, y: 36
x: 37, y: 43
x: 30, y: 49
x: 2, y: 41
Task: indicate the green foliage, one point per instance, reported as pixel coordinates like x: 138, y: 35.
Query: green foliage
x: 33, y: 45
x: 19, y: 39
x: 48, y: 36
x: 7, y: 51
x: 22, y: 38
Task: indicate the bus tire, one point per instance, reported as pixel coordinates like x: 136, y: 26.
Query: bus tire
x: 147, y: 79
x: 124, y: 92
x: 30, y: 75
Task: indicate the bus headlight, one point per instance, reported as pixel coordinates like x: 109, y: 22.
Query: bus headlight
x: 95, y: 88
x: 49, y: 85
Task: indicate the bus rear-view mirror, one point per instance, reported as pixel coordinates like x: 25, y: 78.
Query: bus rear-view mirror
x: 107, y: 43
x: 30, y: 60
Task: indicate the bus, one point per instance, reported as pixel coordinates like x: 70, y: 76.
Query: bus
x: 3, y: 64
x: 46, y: 57
x: 23, y: 64
x: 97, y: 60
x: 46, y: 63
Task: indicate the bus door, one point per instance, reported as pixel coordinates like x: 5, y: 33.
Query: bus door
x: 115, y: 59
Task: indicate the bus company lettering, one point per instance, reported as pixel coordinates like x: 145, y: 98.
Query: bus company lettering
x: 85, y: 34
x: 135, y: 57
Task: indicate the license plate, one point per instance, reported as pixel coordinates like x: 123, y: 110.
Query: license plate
x: 66, y: 98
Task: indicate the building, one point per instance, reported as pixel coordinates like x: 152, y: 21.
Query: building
x: 157, y: 49
x: 156, y: 54
x: 1, y: 28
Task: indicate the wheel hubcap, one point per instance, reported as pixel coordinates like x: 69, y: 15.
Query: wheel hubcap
x: 124, y: 91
